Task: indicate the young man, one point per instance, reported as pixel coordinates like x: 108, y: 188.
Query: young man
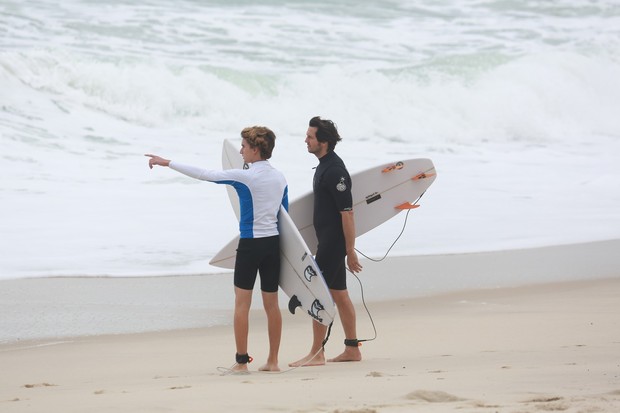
x: 261, y: 189
x: 335, y: 231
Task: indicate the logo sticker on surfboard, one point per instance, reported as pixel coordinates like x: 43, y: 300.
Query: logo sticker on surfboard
x: 375, y: 196
x: 314, y: 310
x: 309, y: 273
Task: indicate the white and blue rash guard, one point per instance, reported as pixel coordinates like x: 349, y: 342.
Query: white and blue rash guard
x: 261, y: 189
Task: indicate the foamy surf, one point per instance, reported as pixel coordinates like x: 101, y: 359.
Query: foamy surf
x: 515, y: 104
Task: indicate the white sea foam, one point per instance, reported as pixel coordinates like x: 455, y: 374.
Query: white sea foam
x: 516, y: 104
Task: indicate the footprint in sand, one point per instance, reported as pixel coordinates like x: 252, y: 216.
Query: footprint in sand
x: 544, y: 400
x: 180, y: 387
x: 551, y: 404
x: 32, y: 386
x: 433, y: 396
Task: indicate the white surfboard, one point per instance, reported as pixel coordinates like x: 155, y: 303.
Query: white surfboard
x: 231, y: 159
x: 379, y: 193
x: 300, y: 277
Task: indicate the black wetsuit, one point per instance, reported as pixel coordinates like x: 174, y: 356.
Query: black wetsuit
x: 332, y: 194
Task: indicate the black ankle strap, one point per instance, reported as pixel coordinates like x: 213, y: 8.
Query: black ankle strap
x: 351, y: 342
x: 243, y: 358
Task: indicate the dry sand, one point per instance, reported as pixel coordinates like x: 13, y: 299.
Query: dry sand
x: 538, y: 348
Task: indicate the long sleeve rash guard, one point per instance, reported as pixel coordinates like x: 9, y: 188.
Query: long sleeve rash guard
x: 261, y: 189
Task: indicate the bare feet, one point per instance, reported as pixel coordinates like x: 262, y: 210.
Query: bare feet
x: 349, y: 354
x: 270, y: 367
x: 240, y: 369
x: 312, y: 359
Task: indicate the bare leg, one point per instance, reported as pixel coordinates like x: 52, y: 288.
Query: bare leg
x: 241, y: 323
x: 274, y: 329
x: 346, y: 311
x: 316, y: 357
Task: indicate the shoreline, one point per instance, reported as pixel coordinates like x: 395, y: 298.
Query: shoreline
x: 420, y: 256
x: 433, y: 300
x: 62, y: 307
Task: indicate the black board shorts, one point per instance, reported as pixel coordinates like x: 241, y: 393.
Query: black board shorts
x: 260, y: 255
x: 330, y: 257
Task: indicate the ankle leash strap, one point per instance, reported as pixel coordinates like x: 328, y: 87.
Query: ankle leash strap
x: 243, y: 358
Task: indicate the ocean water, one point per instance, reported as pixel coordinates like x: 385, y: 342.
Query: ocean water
x: 516, y: 102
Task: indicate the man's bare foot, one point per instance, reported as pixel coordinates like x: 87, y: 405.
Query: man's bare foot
x: 270, y: 367
x: 310, y: 360
x: 349, y: 354
x: 240, y: 369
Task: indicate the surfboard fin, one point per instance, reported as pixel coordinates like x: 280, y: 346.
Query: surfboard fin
x: 406, y: 205
x: 422, y: 176
x: 293, y: 304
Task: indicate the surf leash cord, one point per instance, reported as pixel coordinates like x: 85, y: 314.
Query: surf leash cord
x: 350, y: 342
x: 357, y: 342
x: 397, y: 238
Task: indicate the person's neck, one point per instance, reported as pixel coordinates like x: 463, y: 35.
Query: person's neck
x: 323, y: 154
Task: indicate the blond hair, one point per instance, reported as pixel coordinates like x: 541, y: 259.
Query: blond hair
x: 260, y: 137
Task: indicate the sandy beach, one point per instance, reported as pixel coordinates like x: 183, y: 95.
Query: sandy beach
x: 538, y: 347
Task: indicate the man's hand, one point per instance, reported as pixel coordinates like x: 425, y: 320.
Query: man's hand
x: 348, y: 227
x: 353, y: 262
x: 157, y: 160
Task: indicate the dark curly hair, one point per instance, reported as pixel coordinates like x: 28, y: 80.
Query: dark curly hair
x: 326, y: 131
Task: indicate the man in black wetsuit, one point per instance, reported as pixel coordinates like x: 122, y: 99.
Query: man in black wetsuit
x: 335, y: 230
